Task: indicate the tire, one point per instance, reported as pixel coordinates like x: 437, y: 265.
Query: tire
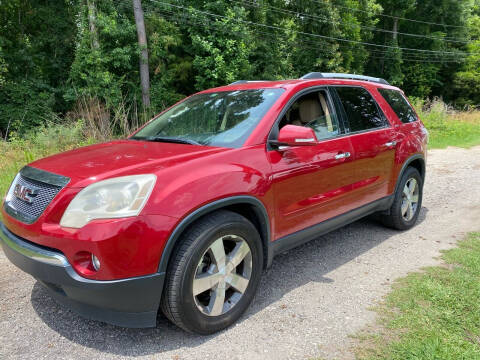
x: 397, y: 218
x: 198, y: 257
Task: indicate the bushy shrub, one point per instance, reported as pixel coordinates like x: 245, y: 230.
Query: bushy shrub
x: 25, y: 105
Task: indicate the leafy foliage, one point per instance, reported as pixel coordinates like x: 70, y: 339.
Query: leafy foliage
x: 51, y: 58
x: 102, y: 72
x: 467, y: 80
x: 36, y: 51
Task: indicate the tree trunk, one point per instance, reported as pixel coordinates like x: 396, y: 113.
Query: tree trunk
x: 382, y: 60
x: 92, y: 19
x: 142, y: 42
x: 395, y: 28
x: 395, y: 37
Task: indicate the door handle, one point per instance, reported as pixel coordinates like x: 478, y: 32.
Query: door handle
x: 391, y: 144
x: 344, y: 155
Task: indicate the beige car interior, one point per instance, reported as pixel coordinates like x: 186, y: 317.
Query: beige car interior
x: 312, y: 111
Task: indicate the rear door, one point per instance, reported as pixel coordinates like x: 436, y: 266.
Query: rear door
x: 408, y: 120
x: 373, y: 140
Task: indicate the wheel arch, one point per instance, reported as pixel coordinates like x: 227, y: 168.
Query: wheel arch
x: 248, y: 206
x: 418, y: 162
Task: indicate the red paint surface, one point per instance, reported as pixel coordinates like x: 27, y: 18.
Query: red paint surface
x: 299, y: 186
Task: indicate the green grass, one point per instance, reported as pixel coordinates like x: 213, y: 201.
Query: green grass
x: 449, y: 128
x: 44, y: 141
x: 434, y: 314
x: 453, y: 132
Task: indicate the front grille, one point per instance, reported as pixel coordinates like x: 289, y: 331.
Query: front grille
x: 43, y: 194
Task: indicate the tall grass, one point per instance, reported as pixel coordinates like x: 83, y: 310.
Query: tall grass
x: 90, y: 122
x: 448, y: 127
x: 46, y: 140
x: 103, y: 124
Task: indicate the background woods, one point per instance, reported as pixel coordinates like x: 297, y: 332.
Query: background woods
x: 114, y: 63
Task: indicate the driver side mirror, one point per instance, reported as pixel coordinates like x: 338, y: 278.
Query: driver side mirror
x: 292, y: 135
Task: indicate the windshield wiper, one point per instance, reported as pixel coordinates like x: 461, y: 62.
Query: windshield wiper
x: 171, y: 140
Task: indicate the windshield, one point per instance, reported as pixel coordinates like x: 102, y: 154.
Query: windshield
x: 223, y: 119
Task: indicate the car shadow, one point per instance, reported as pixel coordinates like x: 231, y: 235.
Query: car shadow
x: 307, y: 263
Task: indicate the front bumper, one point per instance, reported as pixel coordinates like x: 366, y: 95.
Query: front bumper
x: 131, y: 302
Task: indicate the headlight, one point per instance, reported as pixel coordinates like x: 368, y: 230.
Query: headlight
x: 113, y: 198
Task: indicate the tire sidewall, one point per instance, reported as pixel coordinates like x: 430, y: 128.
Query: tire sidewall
x: 190, y: 314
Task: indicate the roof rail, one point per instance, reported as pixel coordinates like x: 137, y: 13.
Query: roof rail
x: 238, y: 82
x: 319, y: 75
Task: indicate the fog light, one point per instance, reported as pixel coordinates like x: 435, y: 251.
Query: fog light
x: 95, y: 263
x: 85, y: 263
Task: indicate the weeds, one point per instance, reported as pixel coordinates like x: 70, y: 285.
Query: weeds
x: 100, y: 124
x: 448, y: 127
x: 46, y: 140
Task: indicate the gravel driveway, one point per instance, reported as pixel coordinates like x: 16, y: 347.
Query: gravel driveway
x: 308, y: 302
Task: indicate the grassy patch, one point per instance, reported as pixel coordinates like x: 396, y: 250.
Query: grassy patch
x: 42, y: 142
x: 434, y: 314
x: 448, y: 127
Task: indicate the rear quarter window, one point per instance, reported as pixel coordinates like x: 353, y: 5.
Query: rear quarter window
x: 399, y: 104
x: 361, y: 109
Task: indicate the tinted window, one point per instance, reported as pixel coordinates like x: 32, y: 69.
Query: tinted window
x: 399, y: 104
x: 224, y: 119
x: 361, y: 109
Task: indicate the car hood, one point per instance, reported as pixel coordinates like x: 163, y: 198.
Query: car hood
x: 120, y: 158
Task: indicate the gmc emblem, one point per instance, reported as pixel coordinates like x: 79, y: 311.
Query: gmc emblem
x: 24, y: 193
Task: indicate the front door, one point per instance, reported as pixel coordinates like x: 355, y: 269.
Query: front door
x: 311, y: 181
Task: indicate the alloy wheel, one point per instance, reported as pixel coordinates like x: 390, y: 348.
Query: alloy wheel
x: 222, y: 275
x: 410, y: 198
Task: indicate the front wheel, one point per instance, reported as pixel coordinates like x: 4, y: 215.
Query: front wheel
x: 213, y: 274
x: 407, y: 203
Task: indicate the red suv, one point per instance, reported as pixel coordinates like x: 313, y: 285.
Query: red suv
x: 186, y: 213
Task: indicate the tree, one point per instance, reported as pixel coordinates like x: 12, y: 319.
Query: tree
x: 390, y: 63
x: 142, y: 42
x: 3, y: 68
x: 92, y: 20
x: 222, y: 49
x: 435, y: 78
x: 467, y: 80
x: 109, y: 72
x: 55, y: 52
x: 37, y: 40
x: 170, y: 64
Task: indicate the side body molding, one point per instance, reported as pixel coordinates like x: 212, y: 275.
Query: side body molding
x: 260, y: 214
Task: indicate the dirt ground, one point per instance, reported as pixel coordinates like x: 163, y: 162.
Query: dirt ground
x: 308, y: 303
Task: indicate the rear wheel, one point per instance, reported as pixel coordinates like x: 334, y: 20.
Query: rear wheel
x: 406, y: 206
x: 213, y: 274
